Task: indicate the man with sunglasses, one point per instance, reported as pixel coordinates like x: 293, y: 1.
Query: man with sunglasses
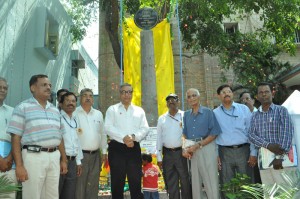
x: 126, y: 125
x: 169, y: 143
x: 200, y: 129
x: 235, y: 153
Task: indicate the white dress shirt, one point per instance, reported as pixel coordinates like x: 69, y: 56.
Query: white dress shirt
x: 169, y: 132
x: 91, y: 134
x: 120, y: 122
x: 5, y: 140
x: 71, y: 141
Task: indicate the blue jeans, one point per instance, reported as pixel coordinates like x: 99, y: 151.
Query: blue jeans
x: 151, y: 195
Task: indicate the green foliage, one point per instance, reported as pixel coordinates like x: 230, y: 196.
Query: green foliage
x: 201, y: 21
x: 289, y: 189
x: 253, y: 61
x: 234, y: 188
x: 7, y: 186
x: 82, y: 12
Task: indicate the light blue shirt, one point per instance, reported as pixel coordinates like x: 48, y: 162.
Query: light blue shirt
x: 234, y: 123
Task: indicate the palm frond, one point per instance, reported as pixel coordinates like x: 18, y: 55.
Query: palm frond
x: 7, y: 185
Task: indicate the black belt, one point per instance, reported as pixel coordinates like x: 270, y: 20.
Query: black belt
x: 236, y: 146
x: 36, y: 148
x: 71, y: 157
x: 89, y: 152
x: 172, y: 149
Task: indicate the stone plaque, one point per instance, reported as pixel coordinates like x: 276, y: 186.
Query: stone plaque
x: 146, y: 18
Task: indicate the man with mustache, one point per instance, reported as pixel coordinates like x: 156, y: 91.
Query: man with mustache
x: 271, y: 128
x: 67, y: 182
x: 7, y: 167
x: 37, y: 144
x: 200, y: 129
x: 247, y: 99
x: 92, y: 138
x: 235, y: 153
x: 169, y: 144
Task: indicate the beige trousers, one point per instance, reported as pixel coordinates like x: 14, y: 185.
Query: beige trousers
x: 204, y: 169
x: 43, y: 170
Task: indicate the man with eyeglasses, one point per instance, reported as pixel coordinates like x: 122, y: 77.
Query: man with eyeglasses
x: 126, y: 125
x: 271, y: 128
x: 247, y: 99
x: 92, y: 138
x: 235, y: 153
x: 7, y: 168
x: 169, y: 144
x: 67, y: 182
x: 200, y: 129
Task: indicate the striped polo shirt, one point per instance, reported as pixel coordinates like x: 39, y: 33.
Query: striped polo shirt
x: 36, y: 125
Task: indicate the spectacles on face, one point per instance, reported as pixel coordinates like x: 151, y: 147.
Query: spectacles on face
x: 5, y: 88
x: 190, y: 96
x: 123, y: 92
x: 264, y: 92
x: 172, y: 100
x: 226, y: 92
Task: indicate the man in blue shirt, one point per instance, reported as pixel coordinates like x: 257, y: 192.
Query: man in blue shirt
x: 235, y: 153
x: 199, y: 132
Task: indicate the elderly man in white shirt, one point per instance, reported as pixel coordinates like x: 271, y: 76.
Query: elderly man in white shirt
x: 169, y: 143
x: 67, y: 182
x: 92, y: 138
x: 126, y: 125
x: 6, y: 159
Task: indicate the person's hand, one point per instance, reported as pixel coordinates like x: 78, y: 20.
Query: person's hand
x: 79, y: 170
x: 5, y: 164
x: 63, y: 167
x: 21, y: 173
x: 275, y: 148
x: 252, y: 161
x: 159, y: 164
x: 219, y: 163
x: 187, y: 154
x: 129, y: 141
x: 277, y: 164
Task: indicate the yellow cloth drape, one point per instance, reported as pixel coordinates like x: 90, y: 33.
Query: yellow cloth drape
x: 164, y: 66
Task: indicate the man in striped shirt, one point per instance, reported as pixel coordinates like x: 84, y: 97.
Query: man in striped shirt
x: 37, y: 145
x: 271, y: 126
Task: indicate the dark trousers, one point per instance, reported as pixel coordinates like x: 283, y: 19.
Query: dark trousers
x: 233, y: 160
x: 176, y: 172
x: 124, y: 161
x: 67, y: 182
x: 87, y: 185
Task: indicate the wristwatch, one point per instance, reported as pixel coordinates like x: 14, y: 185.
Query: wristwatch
x: 200, y: 145
x: 279, y: 156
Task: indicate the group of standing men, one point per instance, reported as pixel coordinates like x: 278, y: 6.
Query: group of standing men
x: 57, y: 151
x: 222, y: 141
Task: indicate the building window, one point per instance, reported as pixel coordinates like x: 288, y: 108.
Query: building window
x: 51, y: 35
x: 297, y: 36
x: 231, y: 28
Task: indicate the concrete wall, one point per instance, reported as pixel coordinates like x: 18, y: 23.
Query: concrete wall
x: 22, y: 46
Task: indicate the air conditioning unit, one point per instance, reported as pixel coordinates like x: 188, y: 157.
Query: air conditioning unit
x: 52, y: 44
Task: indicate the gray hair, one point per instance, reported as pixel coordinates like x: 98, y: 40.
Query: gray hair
x: 125, y: 84
x: 86, y: 90
x: 4, y: 80
x: 193, y: 89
